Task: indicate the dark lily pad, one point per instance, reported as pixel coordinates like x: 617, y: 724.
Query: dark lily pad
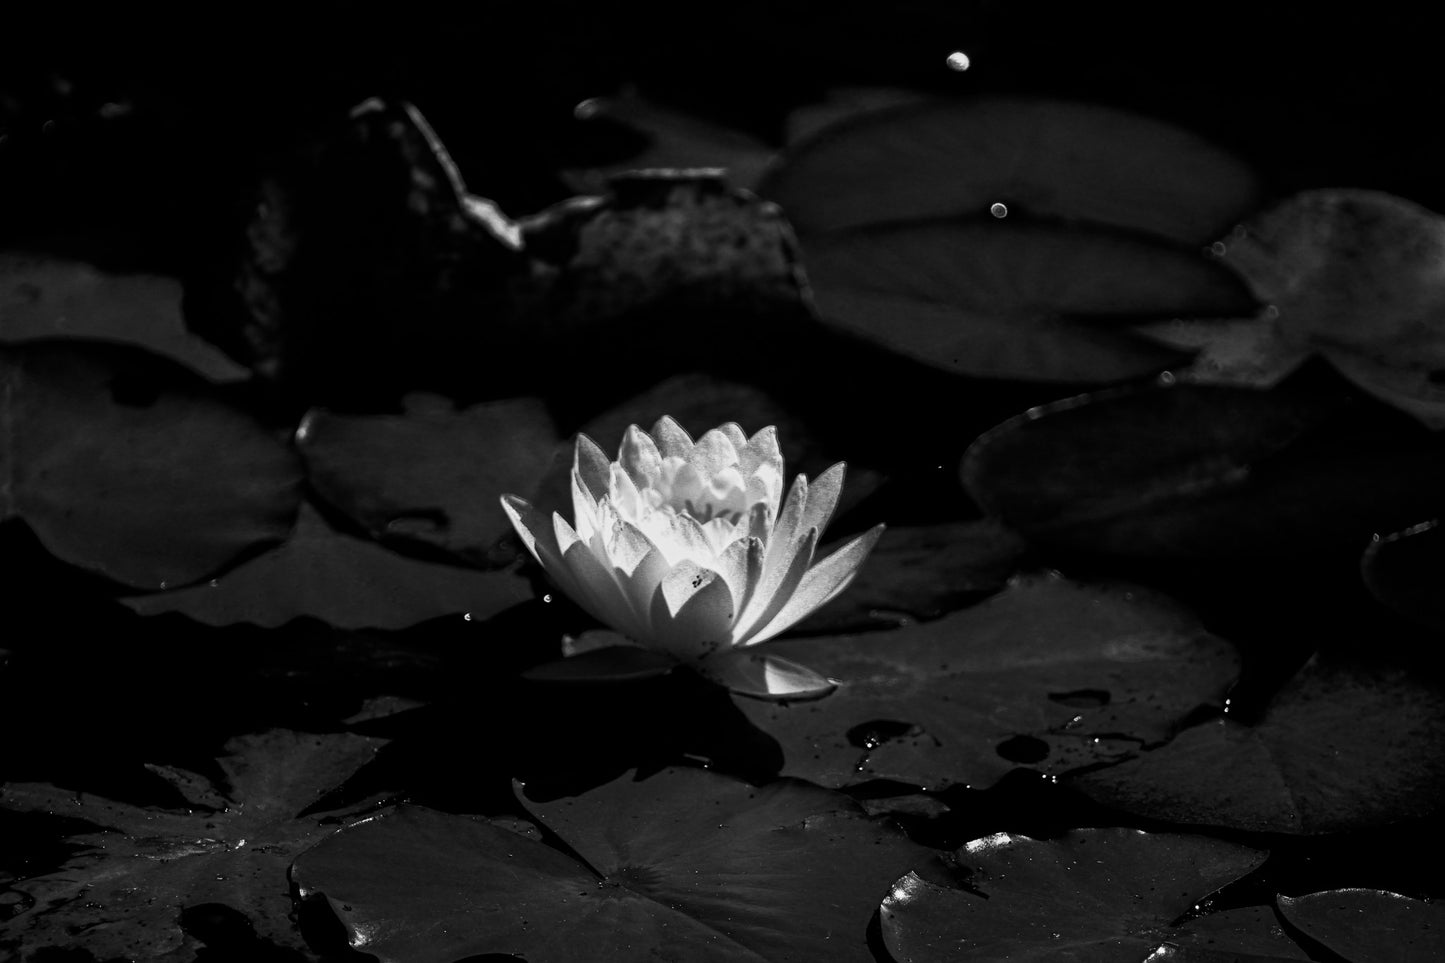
x: 1047, y: 673
x: 1001, y: 299
x: 1403, y: 570
x: 687, y: 864
x: 1342, y: 746
x: 1370, y: 926
x: 1351, y: 275
x: 920, y: 573
x: 128, y: 465
x: 345, y: 581
x: 1101, y: 895
x: 45, y: 297
x: 433, y: 476
x: 123, y: 894
x: 1203, y: 471
x: 1039, y: 157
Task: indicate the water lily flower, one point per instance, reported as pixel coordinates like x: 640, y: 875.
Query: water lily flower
x: 688, y: 549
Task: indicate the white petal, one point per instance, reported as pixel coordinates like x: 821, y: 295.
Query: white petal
x: 772, y: 596
x: 627, y: 547
x: 712, y: 453
x: 641, y: 585
x: 673, y: 441
x: 600, y: 594
x: 692, y: 612
x: 680, y: 537
x: 762, y: 455
x: 639, y: 457
x: 823, y: 494
x: 624, y: 494
x: 765, y: 676
x: 584, y: 506
x: 822, y: 582
x: 782, y: 547
x: 740, y: 565
x: 735, y: 435
x: 589, y: 462
x: 536, y: 532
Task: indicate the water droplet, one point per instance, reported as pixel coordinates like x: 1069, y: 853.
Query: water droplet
x: 998, y: 210
x: 588, y: 108
x: 1271, y: 311
x: 214, y: 583
x: 958, y: 60
x: 467, y: 616
x: 165, y: 585
x: 547, y: 597
x: 1218, y: 249
x: 1166, y: 378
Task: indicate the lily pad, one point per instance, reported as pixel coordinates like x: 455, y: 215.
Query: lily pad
x: 1102, y: 895
x: 1403, y: 571
x: 45, y: 297
x: 1351, y: 275
x: 122, y: 894
x: 1039, y: 157
x: 686, y: 864
x: 131, y: 466
x: 1195, y: 471
x: 918, y: 573
x: 999, y: 299
x: 1370, y: 926
x: 1341, y: 747
x: 1047, y: 673
x: 345, y: 581
x: 432, y: 476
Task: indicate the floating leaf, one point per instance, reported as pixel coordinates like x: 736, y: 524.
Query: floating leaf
x: 1350, y: 274
x: 1047, y: 673
x: 1341, y: 747
x: 347, y: 582
x: 999, y: 299
x: 44, y: 297
x: 432, y: 476
x: 1203, y: 471
x: 123, y: 893
x: 1039, y: 157
x: 130, y: 466
x: 1404, y: 571
x: 922, y: 572
x: 1370, y: 926
x: 684, y: 865
x: 1102, y: 895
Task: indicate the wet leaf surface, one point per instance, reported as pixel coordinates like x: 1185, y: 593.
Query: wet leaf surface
x: 126, y: 892
x: 685, y: 864
x: 1369, y: 926
x: 130, y: 466
x: 1101, y: 895
x: 45, y: 297
x: 1402, y: 570
x: 1198, y: 471
x: 431, y: 477
x: 1047, y: 674
x: 1001, y: 299
x: 1039, y: 157
x: 344, y: 580
x: 1343, y: 746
